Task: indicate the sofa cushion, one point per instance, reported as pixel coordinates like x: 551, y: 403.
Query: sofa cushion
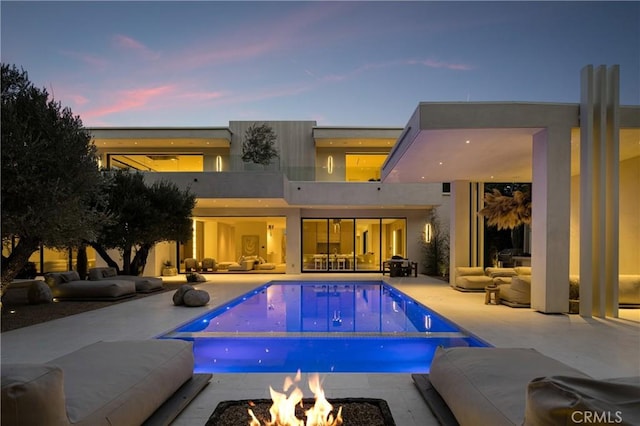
x: 521, y: 284
x: 123, y: 383
x: 502, y: 280
x: 109, y: 272
x: 487, y: 386
x: 87, y: 290
x: 523, y: 270
x: 53, y: 279
x: 473, y: 282
x: 469, y: 270
x: 566, y: 400
x: 629, y: 289
x: 69, y: 276
x: 33, y: 394
x: 500, y: 272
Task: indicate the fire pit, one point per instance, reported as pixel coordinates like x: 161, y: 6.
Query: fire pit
x: 289, y: 408
x: 355, y: 412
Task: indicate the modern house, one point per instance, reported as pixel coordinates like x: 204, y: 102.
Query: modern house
x: 341, y: 199
x: 320, y: 206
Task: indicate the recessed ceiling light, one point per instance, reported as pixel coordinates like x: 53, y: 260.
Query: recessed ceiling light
x: 422, y: 177
x: 491, y: 177
x: 441, y: 163
x: 468, y: 142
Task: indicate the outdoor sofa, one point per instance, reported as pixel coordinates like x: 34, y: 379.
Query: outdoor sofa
x: 124, y: 383
x: 69, y: 286
x: 143, y: 284
x: 516, y: 386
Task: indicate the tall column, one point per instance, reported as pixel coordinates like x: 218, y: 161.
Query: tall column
x: 294, y: 242
x: 550, y: 200
x: 459, y: 227
x: 599, y: 191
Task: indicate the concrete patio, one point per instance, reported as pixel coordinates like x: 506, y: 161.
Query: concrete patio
x: 601, y: 348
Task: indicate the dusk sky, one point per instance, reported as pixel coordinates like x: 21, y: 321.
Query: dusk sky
x: 182, y: 64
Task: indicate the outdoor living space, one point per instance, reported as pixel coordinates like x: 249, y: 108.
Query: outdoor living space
x: 602, y: 348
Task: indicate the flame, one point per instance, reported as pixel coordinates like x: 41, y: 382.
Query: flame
x: 284, y: 406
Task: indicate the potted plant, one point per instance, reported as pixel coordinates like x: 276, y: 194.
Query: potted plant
x: 168, y: 270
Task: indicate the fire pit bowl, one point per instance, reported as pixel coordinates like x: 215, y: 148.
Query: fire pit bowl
x: 355, y: 411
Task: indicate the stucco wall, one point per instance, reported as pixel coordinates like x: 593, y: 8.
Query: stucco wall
x: 629, y: 219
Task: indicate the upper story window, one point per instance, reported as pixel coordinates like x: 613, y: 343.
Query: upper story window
x: 157, y: 162
x: 363, y: 167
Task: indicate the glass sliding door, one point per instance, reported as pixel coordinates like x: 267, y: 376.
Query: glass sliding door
x: 348, y: 244
x: 315, y: 244
x: 368, y: 241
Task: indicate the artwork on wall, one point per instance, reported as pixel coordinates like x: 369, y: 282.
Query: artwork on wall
x: 250, y: 245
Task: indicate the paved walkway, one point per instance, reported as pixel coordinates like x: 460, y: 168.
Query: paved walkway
x: 601, y: 348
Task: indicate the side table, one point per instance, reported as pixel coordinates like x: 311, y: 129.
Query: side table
x: 488, y: 292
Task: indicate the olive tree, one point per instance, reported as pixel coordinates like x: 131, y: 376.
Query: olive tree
x: 50, y: 174
x: 142, y: 216
x: 259, y: 144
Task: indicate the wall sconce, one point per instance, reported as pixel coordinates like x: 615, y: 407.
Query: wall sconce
x: 218, y: 163
x: 270, y: 228
x: 330, y: 164
x: 427, y: 233
x: 336, y: 225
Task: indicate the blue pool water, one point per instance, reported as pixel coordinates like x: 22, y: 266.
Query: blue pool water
x: 336, y: 326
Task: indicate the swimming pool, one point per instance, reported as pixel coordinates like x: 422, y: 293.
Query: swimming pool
x: 329, y: 326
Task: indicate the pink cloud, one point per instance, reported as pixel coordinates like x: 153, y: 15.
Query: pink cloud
x: 431, y: 63
x: 92, y: 60
x: 128, y: 42
x: 130, y: 100
x: 204, y: 95
x: 79, y: 99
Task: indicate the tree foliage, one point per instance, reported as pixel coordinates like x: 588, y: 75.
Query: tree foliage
x: 49, y: 173
x: 143, y: 215
x: 435, y: 260
x: 507, y: 212
x: 259, y: 144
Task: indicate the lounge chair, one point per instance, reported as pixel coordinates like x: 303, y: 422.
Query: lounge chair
x: 125, y: 383
x: 143, y: 284
x: 69, y: 286
x: 506, y: 386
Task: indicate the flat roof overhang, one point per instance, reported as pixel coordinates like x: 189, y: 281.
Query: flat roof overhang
x: 161, y: 137
x: 484, y: 142
x: 368, y: 137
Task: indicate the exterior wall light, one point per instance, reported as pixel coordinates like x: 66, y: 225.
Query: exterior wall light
x: 218, y: 163
x: 427, y: 233
x: 330, y: 164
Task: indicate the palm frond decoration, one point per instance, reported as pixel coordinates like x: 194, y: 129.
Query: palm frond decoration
x: 505, y: 212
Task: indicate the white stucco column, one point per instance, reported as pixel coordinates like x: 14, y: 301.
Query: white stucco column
x: 294, y: 240
x: 550, y: 201
x: 599, y: 191
x: 459, y: 227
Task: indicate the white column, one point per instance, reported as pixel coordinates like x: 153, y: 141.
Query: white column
x: 459, y: 228
x: 294, y: 242
x: 599, y: 191
x: 550, y: 201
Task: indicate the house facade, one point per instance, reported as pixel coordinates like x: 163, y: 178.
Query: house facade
x: 319, y: 207
x: 345, y: 199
